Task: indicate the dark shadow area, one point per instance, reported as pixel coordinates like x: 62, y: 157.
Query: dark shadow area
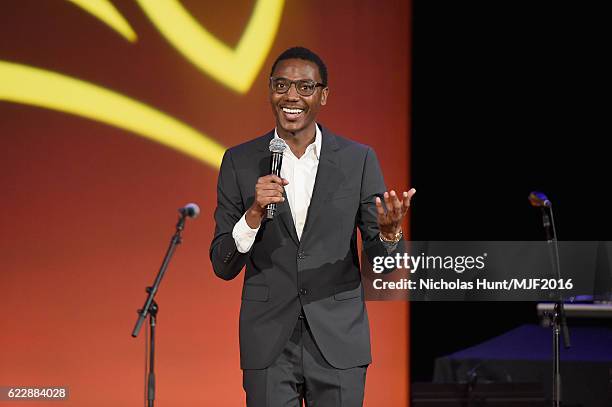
x: 504, y: 102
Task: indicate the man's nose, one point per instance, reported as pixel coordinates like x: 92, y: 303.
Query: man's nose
x: 292, y: 93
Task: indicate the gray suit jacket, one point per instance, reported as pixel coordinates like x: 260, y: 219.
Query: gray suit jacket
x: 319, y: 273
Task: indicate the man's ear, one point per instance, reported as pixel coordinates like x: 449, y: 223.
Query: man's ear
x: 324, y: 93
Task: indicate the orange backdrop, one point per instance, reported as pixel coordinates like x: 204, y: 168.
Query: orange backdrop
x: 88, y: 208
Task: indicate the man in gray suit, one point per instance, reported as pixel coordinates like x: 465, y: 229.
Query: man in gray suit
x: 304, y: 331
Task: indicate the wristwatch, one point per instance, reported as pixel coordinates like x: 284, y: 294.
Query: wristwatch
x: 396, y: 238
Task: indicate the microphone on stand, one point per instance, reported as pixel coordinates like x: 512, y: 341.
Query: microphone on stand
x: 558, y: 321
x: 277, y: 147
x: 191, y: 210
x: 539, y: 200
x: 150, y: 308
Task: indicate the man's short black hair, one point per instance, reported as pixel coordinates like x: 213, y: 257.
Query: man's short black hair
x: 305, y: 54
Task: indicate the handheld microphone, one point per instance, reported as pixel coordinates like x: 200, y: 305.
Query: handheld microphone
x: 277, y: 147
x: 191, y: 210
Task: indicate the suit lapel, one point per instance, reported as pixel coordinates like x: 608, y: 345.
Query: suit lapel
x: 328, y: 178
x: 283, y: 211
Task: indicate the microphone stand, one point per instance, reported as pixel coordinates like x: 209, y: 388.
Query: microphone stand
x: 151, y: 308
x: 558, y: 322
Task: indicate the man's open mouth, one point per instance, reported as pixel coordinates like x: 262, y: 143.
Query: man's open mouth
x: 292, y: 113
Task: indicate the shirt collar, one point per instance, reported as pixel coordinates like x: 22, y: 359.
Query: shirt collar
x: 317, y: 143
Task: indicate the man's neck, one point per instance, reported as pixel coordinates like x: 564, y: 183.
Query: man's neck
x: 298, y: 141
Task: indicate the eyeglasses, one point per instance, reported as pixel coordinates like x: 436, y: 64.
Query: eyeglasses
x: 304, y: 87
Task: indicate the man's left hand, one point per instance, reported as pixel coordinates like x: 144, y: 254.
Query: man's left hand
x: 390, y: 222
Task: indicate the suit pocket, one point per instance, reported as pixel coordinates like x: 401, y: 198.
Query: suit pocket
x: 255, y: 292
x: 347, y: 291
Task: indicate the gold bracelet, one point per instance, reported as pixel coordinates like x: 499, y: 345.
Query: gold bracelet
x: 398, y: 236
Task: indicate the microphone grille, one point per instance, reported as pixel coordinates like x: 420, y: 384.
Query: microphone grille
x: 193, y: 210
x: 538, y: 199
x: 277, y: 145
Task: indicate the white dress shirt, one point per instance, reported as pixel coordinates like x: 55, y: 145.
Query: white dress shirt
x: 301, y: 174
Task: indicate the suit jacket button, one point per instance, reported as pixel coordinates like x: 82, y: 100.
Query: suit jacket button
x: 303, y: 291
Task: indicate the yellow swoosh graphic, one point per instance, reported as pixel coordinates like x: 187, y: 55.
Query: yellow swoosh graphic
x: 38, y: 87
x: 107, y: 13
x: 235, y: 69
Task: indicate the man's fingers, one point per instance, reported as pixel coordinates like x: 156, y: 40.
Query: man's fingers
x: 275, y: 179
x: 397, y: 204
x: 396, y: 208
x: 379, y: 207
x: 407, y: 196
x: 272, y: 179
x: 387, y: 198
x: 268, y: 200
x: 405, y: 202
x: 269, y: 192
x: 270, y: 186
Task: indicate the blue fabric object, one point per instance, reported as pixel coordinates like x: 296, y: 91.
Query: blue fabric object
x: 532, y: 342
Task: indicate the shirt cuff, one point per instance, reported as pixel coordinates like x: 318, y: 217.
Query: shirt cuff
x: 390, y: 247
x: 243, y: 235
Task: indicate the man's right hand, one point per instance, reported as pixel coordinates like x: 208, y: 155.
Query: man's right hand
x: 269, y: 189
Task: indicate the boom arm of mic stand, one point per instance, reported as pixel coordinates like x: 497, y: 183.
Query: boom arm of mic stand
x: 174, y: 242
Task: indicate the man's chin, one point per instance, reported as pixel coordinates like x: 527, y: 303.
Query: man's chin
x: 291, y: 127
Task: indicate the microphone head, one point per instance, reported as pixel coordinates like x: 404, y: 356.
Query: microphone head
x: 277, y: 145
x: 191, y: 210
x: 538, y: 200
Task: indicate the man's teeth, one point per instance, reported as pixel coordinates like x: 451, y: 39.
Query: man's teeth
x: 292, y: 111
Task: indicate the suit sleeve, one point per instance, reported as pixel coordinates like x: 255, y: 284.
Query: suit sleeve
x: 227, y: 261
x: 373, y: 185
